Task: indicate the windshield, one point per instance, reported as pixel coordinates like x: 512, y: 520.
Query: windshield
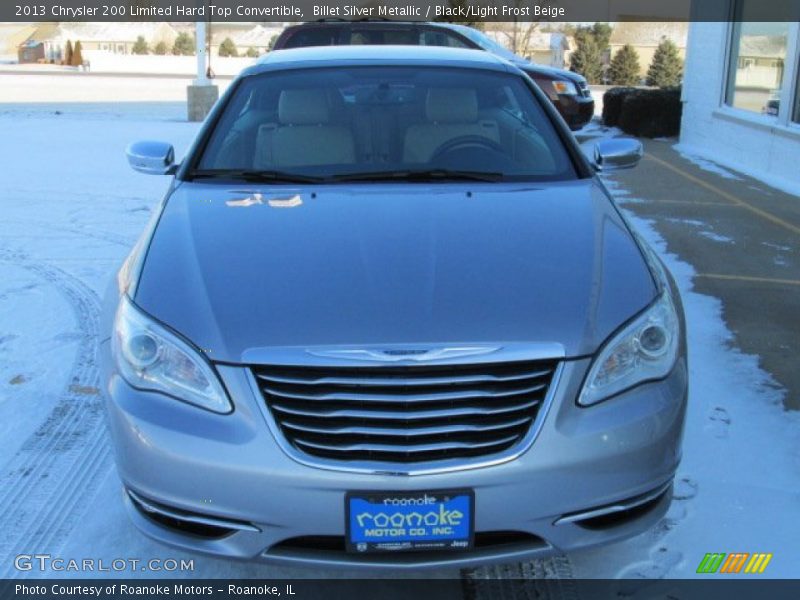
x: 331, y: 124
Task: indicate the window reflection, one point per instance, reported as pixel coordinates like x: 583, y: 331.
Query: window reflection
x: 758, y: 57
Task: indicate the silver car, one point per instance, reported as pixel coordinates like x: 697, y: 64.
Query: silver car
x: 388, y: 316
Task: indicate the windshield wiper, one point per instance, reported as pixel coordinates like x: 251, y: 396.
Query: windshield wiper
x: 253, y: 175
x: 420, y: 175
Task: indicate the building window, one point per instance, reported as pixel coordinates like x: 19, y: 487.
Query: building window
x: 758, y: 57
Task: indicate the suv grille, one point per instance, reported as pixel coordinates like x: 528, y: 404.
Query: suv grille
x: 405, y: 414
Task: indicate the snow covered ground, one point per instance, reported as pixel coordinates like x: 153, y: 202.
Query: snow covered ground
x: 71, y: 210
x: 57, y: 88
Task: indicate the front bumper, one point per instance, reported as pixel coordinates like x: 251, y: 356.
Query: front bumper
x: 230, y: 469
x: 577, y: 110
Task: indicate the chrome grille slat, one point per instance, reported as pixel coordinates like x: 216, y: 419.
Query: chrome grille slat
x: 407, y: 448
x: 367, y: 396
x: 402, y: 381
x: 405, y: 416
x: 405, y: 413
x: 417, y: 432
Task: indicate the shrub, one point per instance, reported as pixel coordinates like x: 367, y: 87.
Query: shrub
x: 140, y: 46
x: 184, y: 45
x: 77, y: 55
x: 624, y: 69
x: 228, y: 48
x: 68, y: 53
x: 252, y: 52
x: 160, y: 49
x: 651, y: 113
x: 666, y: 69
x: 612, y: 104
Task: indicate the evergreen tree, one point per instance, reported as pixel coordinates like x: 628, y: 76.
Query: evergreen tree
x: 624, y: 69
x: 252, y: 52
x: 228, y: 48
x: 602, y: 35
x: 184, y: 45
x: 587, y: 58
x: 160, y: 49
x: 666, y: 70
x: 140, y: 47
x: 77, y: 55
x: 68, y: 53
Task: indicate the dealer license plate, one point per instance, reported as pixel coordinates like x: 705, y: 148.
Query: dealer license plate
x: 403, y: 521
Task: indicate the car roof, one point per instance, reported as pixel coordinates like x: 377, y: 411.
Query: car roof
x: 370, y: 23
x: 316, y: 56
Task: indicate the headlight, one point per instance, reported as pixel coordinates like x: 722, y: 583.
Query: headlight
x: 646, y: 349
x: 151, y: 358
x: 565, y: 87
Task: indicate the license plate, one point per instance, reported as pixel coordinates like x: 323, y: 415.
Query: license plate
x: 403, y: 521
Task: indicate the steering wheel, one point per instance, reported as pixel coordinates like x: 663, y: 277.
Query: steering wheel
x: 464, y: 142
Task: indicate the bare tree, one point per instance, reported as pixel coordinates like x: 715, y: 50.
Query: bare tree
x: 520, y: 30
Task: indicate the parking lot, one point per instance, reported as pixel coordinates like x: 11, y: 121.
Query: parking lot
x: 742, y: 237
x: 73, y: 209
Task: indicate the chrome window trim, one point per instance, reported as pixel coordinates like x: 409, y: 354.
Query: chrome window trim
x: 423, y: 468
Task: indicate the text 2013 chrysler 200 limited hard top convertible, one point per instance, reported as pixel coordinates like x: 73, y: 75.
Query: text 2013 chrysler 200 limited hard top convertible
x: 387, y: 315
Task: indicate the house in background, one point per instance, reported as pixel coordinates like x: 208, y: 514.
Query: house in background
x: 645, y: 38
x: 548, y: 48
x: 545, y: 48
x: 50, y: 39
x: 741, y: 94
x: 116, y: 38
x: 12, y: 35
x: 39, y: 45
x: 243, y: 35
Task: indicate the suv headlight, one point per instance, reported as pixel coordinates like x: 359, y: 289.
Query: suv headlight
x: 151, y: 358
x: 645, y: 349
x: 565, y: 87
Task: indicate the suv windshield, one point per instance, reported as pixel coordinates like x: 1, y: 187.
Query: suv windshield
x: 387, y: 123
x: 485, y: 42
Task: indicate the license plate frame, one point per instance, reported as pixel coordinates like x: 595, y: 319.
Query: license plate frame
x: 445, y: 507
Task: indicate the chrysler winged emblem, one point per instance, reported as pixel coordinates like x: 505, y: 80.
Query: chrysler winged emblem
x: 397, y: 354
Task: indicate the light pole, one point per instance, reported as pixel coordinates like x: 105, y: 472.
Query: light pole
x: 202, y: 94
x: 202, y: 59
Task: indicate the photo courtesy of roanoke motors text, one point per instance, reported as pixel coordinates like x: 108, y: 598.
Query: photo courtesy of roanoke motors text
x: 447, y: 299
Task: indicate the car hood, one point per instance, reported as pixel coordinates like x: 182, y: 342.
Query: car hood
x: 536, y: 70
x: 239, y: 269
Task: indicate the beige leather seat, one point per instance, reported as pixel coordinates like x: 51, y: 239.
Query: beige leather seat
x: 450, y: 113
x: 303, y: 135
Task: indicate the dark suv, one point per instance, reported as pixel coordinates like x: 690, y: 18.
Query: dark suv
x: 568, y: 91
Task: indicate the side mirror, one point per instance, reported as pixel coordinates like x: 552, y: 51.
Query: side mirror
x: 152, y: 158
x: 617, y: 153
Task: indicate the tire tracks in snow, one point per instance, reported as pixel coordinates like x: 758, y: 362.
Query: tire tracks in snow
x: 46, y: 485
x: 102, y: 235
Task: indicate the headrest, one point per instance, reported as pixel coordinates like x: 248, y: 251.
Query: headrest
x: 303, y: 107
x: 451, y: 105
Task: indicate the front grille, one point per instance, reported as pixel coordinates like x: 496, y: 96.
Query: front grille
x: 584, y: 89
x: 405, y: 414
